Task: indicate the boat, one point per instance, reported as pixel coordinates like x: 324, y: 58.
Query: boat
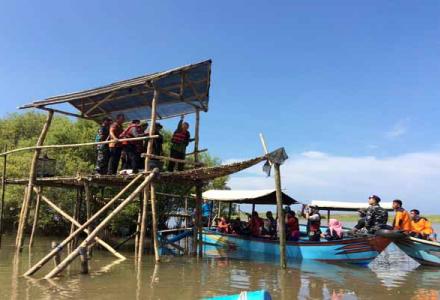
x: 361, y: 249
x: 425, y: 252
x: 245, y: 295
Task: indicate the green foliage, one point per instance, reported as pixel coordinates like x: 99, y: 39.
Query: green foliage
x: 22, y: 130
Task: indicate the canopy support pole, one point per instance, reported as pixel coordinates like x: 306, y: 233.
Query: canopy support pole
x: 32, y: 176
x: 147, y: 194
x: 36, y: 215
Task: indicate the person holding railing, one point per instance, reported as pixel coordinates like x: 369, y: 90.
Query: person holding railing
x: 179, y: 142
x: 102, y: 150
x: 115, y: 147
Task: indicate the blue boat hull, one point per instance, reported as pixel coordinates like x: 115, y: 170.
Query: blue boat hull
x: 253, y: 295
x: 424, y: 252
x: 361, y: 250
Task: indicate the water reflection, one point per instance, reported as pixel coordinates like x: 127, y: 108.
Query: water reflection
x: 392, y: 276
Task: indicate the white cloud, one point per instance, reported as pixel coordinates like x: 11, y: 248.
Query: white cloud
x: 399, y: 129
x: 412, y: 177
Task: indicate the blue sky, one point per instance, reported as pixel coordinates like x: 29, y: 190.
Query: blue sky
x: 336, y: 79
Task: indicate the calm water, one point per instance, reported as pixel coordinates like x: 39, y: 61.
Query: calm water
x: 391, y: 276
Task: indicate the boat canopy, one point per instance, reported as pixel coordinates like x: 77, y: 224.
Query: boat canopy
x: 247, y: 196
x: 346, y: 206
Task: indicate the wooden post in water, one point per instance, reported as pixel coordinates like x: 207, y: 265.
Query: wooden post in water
x: 143, y: 226
x: 154, y: 222
x: 199, y: 225
x: 83, y: 253
x: 88, y: 199
x: 2, y: 203
x: 281, y: 220
x: 138, y: 227
x: 32, y: 175
x: 280, y: 211
x: 36, y: 215
x: 57, y: 257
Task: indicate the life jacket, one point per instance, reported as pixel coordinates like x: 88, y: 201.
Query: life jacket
x: 402, y: 220
x: 126, y: 134
x: 180, y: 137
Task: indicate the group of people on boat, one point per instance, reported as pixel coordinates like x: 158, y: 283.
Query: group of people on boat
x: 129, y: 152
x: 411, y: 223
x: 371, y: 220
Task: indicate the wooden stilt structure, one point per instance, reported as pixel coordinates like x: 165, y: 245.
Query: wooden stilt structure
x: 91, y: 237
x: 77, y: 224
x: 2, y: 203
x: 45, y: 259
x: 36, y: 214
x: 154, y: 222
x: 32, y: 175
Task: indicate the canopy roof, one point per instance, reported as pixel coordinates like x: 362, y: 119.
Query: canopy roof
x: 181, y: 91
x: 346, y: 206
x: 247, y: 196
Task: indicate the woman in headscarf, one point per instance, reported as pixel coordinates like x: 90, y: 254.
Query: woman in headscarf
x: 334, y: 231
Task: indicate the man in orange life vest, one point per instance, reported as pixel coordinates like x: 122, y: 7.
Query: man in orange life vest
x: 402, y: 219
x: 115, y: 147
x: 133, y: 149
x: 420, y: 226
x: 179, y: 142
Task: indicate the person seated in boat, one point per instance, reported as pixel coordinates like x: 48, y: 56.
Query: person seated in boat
x: 236, y: 226
x: 334, y: 230
x: 360, y: 226
x: 269, y: 225
x: 313, y: 218
x: 376, y: 217
x: 420, y: 226
x: 292, y: 226
x: 255, y: 224
x: 402, y: 219
x: 223, y: 226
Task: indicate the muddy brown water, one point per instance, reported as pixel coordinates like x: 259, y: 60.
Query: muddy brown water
x: 391, y: 276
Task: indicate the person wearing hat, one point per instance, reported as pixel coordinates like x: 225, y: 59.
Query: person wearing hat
x: 376, y: 217
x: 102, y: 150
x: 157, y: 147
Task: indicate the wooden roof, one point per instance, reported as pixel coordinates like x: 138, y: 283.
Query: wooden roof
x: 182, y: 90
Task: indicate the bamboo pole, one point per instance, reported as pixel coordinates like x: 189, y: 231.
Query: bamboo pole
x: 78, y: 225
x: 199, y: 224
x: 3, y: 195
x: 45, y: 259
x: 75, y: 216
x: 101, y: 225
x: 143, y: 224
x: 184, y: 161
x: 281, y: 220
x: 145, y: 200
x: 57, y: 257
x: 154, y: 222
x: 32, y: 176
x: 138, y: 228
x: 36, y: 215
x: 88, y: 196
x: 40, y: 147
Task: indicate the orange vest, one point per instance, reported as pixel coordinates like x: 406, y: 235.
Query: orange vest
x: 402, y: 220
x: 422, y: 226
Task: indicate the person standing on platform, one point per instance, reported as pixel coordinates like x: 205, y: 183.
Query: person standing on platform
x: 115, y: 147
x: 133, y: 149
x: 179, y: 142
x: 157, y: 148
x: 102, y: 150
